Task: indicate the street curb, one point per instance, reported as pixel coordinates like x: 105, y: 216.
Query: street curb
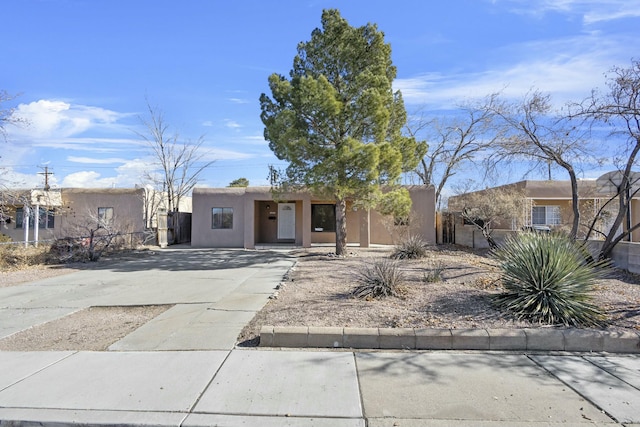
x: 528, y: 339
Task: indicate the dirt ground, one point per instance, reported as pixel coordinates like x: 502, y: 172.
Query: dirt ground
x: 317, y: 292
x: 91, y: 329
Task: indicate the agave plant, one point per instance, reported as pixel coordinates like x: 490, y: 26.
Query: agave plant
x: 548, y: 279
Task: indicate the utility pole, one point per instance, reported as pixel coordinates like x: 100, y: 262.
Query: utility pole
x: 46, y: 174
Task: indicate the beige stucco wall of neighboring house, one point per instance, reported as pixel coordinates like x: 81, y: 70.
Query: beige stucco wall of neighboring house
x: 547, y: 194
x: 79, y: 210
x: 256, y: 218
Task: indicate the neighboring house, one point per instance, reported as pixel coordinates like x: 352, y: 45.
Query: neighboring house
x: 247, y: 217
x: 546, y: 205
x: 69, y: 212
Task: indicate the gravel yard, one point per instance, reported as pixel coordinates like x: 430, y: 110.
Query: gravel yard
x: 318, y: 293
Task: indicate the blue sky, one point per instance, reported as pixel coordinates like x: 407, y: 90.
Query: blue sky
x: 84, y: 69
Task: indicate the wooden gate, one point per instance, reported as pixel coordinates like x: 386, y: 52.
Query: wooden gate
x: 448, y: 226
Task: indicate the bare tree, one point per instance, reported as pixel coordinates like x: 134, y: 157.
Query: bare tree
x: 90, y: 234
x: 7, y: 114
x: 453, y: 142
x: 180, y: 161
x: 9, y: 198
x: 485, y: 209
x: 619, y: 108
x: 534, y: 133
x: 151, y: 202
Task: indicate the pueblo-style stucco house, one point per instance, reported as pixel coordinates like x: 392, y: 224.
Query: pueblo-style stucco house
x: 69, y: 212
x: 546, y: 205
x: 250, y: 217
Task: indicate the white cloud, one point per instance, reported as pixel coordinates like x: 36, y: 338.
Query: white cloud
x: 254, y: 140
x: 129, y: 174
x: 591, y: 11
x: 232, y: 124
x: 50, y: 118
x: 568, y: 69
x: 223, y: 154
x: 14, y: 179
x: 93, y: 160
x: 87, y: 179
x: 207, y: 123
x: 238, y: 100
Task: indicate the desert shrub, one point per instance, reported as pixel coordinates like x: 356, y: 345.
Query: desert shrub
x: 548, y: 279
x: 433, y: 272
x: 379, y: 278
x: 411, y: 247
x: 67, y: 249
x: 17, y: 256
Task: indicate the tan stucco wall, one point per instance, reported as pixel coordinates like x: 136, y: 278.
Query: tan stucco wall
x: 201, y: 232
x: 248, y: 221
x: 80, y: 208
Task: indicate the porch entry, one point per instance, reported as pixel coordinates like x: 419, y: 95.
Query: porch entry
x: 286, y: 221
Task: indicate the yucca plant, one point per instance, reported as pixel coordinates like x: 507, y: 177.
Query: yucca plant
x: 380, y: 278
x: 548, y: 279
x: 411, y: 247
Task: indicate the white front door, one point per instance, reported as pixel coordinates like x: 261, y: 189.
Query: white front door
x: 286, y: 220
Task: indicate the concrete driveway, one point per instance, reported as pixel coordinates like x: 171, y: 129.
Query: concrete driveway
x: 215, y: 294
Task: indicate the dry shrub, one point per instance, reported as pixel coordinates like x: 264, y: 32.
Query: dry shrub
x: 377, y: 279
x: 434, y: 271
x: 17, y: 256
x: 410, y: 247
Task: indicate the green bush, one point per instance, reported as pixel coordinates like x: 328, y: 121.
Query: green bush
x: 548, y: 279
x: 412, y: 247
x: 380, y: 278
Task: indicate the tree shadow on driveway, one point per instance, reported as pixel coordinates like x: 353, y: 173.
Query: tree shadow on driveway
x: 184, y: 260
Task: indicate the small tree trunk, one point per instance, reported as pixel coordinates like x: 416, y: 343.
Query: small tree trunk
x: 341, y: 227
x: 487, y: 235
x: 574, y: 203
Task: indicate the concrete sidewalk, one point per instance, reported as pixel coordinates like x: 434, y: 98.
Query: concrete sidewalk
x: 318, y: 388
x: 215, y: 293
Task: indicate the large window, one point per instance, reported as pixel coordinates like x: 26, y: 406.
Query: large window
x: 19, y: 217
x: 46, y: 219
x: 323, y: 218
x: 545, y: 215
x: 105, y: 216
x: 222, y: 218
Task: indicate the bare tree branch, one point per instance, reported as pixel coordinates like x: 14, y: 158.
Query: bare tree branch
x: 619, y: 108
x: 177, y: 159
x: 453, y: 143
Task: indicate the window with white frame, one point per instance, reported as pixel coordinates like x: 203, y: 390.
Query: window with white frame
x: 105, y: 216
x: 46, y: 218
x: 545, y: 215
